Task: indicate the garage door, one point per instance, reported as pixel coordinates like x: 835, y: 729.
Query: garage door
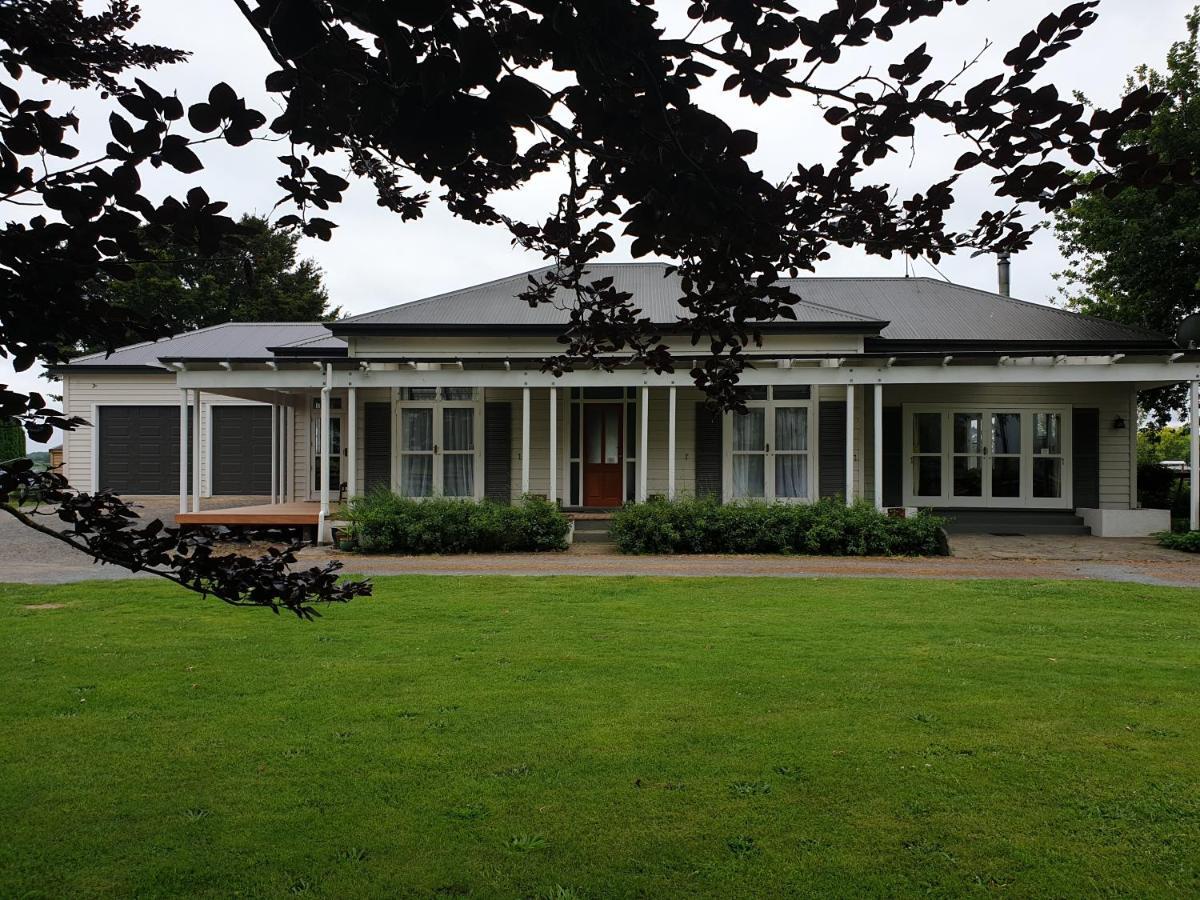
x: 139, y: 449
x: 241, y: 450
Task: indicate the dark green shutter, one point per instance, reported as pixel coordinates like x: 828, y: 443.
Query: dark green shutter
x: 1085, y: 457
x: 497, y: 452
x: 831, y: 450
x: 709, y: 451
x: 893, y: 456
x: 377, y: 447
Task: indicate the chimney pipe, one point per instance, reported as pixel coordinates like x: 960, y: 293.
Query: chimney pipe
x: 1004, y: 267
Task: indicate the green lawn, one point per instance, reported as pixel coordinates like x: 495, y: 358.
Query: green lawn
x: 604, y: 737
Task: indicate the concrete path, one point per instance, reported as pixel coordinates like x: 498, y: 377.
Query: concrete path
x: 29, y: 557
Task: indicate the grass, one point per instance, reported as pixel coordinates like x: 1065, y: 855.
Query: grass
x: 604, y: 737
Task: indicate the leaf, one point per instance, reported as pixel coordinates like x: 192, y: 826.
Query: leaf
x: 297, y: 27
x: 177, y: 153
x: 203, y: 118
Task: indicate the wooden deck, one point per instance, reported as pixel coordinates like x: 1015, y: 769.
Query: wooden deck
x: 300, y: 513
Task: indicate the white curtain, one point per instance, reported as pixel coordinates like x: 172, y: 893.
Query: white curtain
x: 458, y: 475
x: 416, y: 475
x: 748, y: 475
x: 791, y: 428
x: 791, y: 475
x: 458, y: 429
x: 417, y: 426
x: 749, y: 430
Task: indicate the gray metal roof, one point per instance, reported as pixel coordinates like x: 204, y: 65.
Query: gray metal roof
x: 497, y: 303
x: 913, y: 309
x: 232, y: 340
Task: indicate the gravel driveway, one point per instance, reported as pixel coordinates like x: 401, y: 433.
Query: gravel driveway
x: 29, y: 557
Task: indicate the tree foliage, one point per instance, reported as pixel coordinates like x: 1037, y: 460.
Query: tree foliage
x: 255, y: 276
x: 1134, y: 256
x: 475, y: 98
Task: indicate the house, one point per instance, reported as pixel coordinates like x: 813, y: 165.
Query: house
x: 908, y: 392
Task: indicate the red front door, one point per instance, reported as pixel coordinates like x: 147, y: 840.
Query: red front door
x: 603, y: 461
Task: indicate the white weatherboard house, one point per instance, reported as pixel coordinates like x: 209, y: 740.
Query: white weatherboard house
x: 907, y: 392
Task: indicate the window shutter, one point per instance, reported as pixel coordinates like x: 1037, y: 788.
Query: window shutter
x: 708, y: 452
x: 831, y: 448
x: 893, y: 456
x: 377, y: 447
x: 497, y: 452
x: 1085, y: 457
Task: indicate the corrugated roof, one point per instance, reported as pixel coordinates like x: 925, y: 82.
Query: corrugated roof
x: 915, y: 309
x: 925, y: 309
x: 232, y: 340
x: 497, y: 303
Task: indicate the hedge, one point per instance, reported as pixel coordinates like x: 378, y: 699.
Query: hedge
x: 826, y: 527
x: 383, y: 522
x: 1186, y: 541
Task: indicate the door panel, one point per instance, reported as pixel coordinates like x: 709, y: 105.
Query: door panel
x: 138, y: 449
x: 602, y: 462
x: 241, y: 450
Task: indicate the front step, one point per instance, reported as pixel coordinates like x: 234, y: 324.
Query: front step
x: 1014, y: 521
x: 592, y: 531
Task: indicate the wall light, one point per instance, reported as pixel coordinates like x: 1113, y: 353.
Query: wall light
x: 1119, y: 424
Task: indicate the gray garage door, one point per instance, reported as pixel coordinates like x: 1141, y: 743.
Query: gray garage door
x: 139, y: 449
x: 241, y: 450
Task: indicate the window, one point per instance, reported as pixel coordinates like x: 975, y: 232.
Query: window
x: 439, y: 442
x: 769, y: 446
x: 999, y: 457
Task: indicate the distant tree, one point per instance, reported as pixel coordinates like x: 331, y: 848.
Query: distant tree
x: 255, y: 276
x: 1134, y: 256
x: 12, y: 439
x: 1161, y: 444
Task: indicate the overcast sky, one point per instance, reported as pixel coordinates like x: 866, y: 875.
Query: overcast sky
x: 376, y: 260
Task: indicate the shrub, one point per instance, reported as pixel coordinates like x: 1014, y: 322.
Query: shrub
x: 1186, y: 541
x: 827, y: 527
x: 386, y: 523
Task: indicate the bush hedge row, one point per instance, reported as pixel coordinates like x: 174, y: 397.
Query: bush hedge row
x: 826, y: 527
x: 1186, y: 541
x: 383, y: 522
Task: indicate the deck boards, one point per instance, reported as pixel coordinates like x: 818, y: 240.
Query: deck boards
x: 299, y: 513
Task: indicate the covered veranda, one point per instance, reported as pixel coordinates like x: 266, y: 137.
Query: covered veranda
x: 291, y: 387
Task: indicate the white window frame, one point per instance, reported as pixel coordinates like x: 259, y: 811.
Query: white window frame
x: 313, y: 447
x: 770, y: 405
x: 1026, y: 500
x: 438, y: 405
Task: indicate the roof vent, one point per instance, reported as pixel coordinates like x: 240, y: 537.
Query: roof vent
x: 1005, y: 268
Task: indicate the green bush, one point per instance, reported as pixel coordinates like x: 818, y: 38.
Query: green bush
x: 1186, y: 541
x: 386, y: 523
x: 827, y: 527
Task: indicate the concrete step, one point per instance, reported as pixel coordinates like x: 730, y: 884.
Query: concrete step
x: 592, y: 537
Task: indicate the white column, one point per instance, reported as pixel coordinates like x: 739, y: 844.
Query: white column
x: 878, y: 446
x: 351, y: 442
x: 849, y: 444
x: 671, y: 443
x: 643, y: 445
x: 183, y: 450
x: 282, y: 486
x: 274, y: 453
x: 553, y: 445
x: 196, y: 450
x: 524, y: 441
x: 325, y: 445
x: 1194, y: 463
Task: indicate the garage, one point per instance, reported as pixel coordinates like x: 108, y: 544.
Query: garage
x: 139, y: 449
x: 241, y: 450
